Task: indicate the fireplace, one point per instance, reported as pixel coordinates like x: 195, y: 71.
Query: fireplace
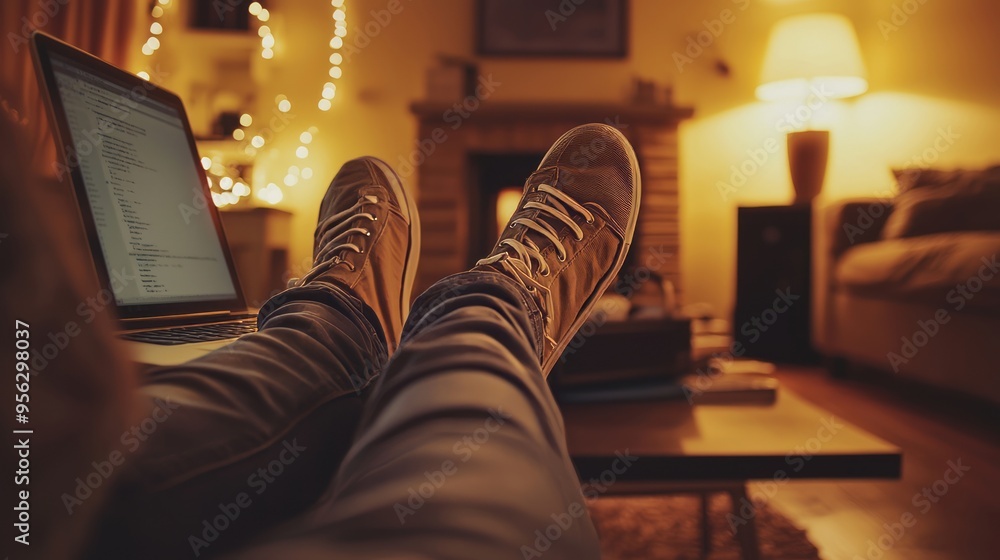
x: 495, y: 185
x: 481, y: 163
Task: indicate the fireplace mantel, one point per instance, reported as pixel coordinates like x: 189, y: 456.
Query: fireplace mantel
x: 428, y: 111
x: 450, y: 137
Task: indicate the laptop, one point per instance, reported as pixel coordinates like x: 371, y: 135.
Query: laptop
x: 156, y: 237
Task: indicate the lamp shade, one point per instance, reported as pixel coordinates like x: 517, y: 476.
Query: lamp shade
x: 814, y: 50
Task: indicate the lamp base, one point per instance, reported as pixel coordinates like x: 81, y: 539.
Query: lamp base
x: 808, y: 152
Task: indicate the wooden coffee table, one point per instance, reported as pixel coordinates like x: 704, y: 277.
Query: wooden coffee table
x: 703, y: 449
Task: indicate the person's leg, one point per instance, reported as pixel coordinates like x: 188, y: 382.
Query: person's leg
x: 287, y: 397
x: 461, y: 452
x: 251, y: 434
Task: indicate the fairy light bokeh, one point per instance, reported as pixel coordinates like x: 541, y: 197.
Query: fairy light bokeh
x: 226, y: 181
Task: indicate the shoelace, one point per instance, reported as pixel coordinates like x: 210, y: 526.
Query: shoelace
x: 519, y: 264
x: 333, y: 243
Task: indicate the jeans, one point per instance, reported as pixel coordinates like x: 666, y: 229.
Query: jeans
x: 305, y: 440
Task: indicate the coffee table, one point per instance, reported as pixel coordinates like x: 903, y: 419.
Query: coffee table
x: 702, y: 449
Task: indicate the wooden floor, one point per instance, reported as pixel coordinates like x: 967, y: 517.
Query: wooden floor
x: 848, y: 520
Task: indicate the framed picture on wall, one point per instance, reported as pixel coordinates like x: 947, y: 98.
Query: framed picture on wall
x: 552, y: 28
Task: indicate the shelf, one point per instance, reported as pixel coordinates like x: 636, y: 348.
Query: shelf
x: 431, y: 111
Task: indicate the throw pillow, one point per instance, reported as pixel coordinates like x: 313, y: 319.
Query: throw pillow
x: 938, y: 201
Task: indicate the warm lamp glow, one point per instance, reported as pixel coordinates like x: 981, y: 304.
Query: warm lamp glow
x: 812, y: 51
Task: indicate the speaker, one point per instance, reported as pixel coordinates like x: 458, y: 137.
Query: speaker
x: 773, y: 283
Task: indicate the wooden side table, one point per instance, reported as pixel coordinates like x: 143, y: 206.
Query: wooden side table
x: 772, y: 318
x: 259, y: 239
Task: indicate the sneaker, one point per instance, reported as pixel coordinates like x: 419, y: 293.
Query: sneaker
x: 572, y: 229
x: 368, y: 240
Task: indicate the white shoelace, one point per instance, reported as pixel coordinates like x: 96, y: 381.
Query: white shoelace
x: 333, y: 243
x: 519, y: 263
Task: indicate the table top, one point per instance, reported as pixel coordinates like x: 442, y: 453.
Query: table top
x: 676, y: 442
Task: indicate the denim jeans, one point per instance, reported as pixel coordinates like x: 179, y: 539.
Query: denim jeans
x: 305, y: 440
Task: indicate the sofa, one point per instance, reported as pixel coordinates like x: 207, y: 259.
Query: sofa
x: 909, y: 284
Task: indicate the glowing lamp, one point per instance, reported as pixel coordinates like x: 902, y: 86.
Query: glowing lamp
x: 812, y: 52
x: 813, y: 55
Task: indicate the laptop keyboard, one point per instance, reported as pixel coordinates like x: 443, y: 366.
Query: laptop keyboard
x: 197, y: 333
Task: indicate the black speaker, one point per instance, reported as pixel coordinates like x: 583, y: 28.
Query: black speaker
x: 773, y: 283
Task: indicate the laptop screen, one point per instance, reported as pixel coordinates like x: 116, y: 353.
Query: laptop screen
x: 141, y: 180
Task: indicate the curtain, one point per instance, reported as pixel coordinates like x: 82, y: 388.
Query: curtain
x: 100, y: 27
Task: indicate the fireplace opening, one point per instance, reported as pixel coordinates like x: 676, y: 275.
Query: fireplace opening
x: 497, y: 181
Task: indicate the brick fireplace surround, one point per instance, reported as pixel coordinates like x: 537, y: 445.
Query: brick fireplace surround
x: 444, y: 178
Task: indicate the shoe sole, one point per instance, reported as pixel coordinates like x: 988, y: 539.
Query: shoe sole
x: 409, y: 208
x: 612, y: 272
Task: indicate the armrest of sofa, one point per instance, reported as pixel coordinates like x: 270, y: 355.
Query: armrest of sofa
x: 837, y: 226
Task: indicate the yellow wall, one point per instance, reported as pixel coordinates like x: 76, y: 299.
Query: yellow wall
x: 937, y: 70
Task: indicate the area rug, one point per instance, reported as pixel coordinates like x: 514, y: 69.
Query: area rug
x: 667, y: 528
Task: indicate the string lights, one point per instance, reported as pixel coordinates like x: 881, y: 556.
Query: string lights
x: 152, y: 43
x: 226, y: 182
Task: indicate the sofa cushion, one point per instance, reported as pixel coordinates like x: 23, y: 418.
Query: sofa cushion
x: 935, y: 201
x: 955, y: 270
